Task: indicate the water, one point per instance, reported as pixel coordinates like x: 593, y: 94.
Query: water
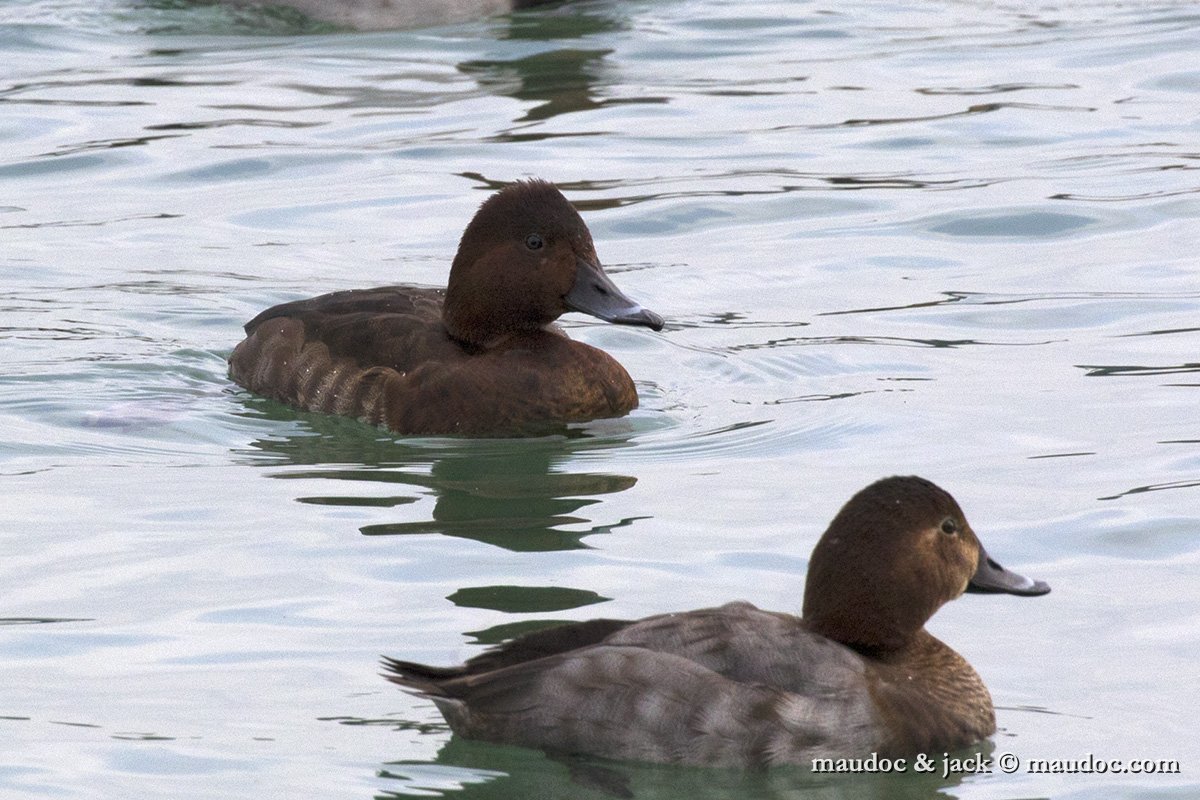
x: 949, y: 238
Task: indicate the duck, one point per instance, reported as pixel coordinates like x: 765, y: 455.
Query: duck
x: 481, y: 357
x: 855, y: 674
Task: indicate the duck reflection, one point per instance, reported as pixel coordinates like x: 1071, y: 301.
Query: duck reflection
x: 514, y: 502
x: 559, y: 81
x: 515, y: 494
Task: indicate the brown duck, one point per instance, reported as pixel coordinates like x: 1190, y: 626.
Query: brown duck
x: 481, y: 357
x: 737, y: 686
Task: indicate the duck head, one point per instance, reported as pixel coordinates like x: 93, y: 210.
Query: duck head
x: 896, y: 552
x: 525, y: 259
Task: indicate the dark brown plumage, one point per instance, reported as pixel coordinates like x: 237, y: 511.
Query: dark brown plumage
x: 739, y: 686
x: 481, y: 357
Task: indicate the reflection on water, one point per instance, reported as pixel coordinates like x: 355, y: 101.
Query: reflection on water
x: 514, y: 494
x: 525, y: 599
x: 483, y: 771
x: 557, y: 81
x: 560, y: 81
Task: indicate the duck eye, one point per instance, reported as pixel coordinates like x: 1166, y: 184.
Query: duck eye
x: 534, y: 241
x: 949, y: 526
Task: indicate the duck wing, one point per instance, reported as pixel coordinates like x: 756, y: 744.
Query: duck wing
x: 390, y: 326
x: 629, y: 703
x: 737, y: 641
x: 749, y: 645
x: 344, y: 352
x: 708, y: 687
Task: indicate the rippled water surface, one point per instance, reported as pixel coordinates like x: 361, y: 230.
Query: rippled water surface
x: 955, y: 238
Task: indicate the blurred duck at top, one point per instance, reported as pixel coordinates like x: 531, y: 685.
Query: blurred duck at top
x: 369, y: 15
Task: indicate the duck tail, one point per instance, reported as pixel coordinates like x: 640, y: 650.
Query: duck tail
x: 421, y: 678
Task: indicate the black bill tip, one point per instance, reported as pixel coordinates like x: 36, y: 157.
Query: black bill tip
x: 594, y: 293
x: 991, y: 578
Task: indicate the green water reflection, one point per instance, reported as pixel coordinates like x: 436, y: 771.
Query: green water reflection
x: 514, y: 494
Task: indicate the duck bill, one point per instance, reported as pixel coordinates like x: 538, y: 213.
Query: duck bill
x: 991, y: 578
x: 594, y: 293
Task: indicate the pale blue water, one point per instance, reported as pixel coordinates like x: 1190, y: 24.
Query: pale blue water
x: 956, y: 239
